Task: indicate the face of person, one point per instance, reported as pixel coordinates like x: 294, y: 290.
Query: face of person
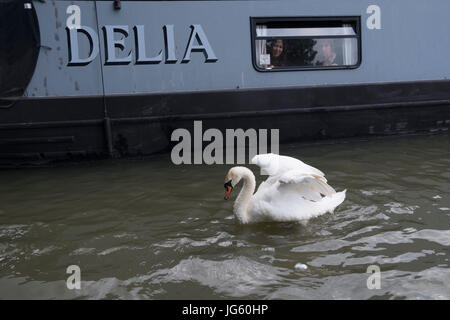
x: 327, y: 50
x: 277, y: 48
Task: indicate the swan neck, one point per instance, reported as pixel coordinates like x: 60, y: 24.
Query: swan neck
x: 243, y: 201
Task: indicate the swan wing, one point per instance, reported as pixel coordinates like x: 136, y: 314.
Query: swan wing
x: 276, y: 165
x: 310, y: 186
x: 293, y: 196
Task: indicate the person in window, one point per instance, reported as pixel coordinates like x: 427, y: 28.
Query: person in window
x: 277, y: 54
x: 327, y: 54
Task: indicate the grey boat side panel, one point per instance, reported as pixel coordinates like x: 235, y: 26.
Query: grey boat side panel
x: 52, y: 76
x: 230, y: 42
x: 412, y: 44
x: 402, y: 50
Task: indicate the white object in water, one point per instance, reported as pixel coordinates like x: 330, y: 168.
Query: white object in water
x: 292, y: 192
x: 301, y: 266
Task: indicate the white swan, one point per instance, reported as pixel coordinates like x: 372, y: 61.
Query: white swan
x: 292, y: 192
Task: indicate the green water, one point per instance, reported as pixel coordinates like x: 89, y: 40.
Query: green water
x: 147, y: 229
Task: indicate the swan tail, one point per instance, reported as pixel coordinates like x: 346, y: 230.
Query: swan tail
x: 336, y: 199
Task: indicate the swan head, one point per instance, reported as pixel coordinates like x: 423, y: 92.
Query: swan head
x: 232, y: 178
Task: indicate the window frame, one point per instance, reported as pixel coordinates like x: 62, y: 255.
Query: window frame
x: 260, y: 20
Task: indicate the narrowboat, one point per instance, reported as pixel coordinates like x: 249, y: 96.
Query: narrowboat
x: 100, y: 79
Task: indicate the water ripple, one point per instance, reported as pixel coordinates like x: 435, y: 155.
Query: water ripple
x: 149, y: 230
x: 237, y: 277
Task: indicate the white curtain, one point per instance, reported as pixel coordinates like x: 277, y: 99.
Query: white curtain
x: 261, y: 30
x: 349, y: 49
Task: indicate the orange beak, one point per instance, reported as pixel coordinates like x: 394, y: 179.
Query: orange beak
x: 227, y: 192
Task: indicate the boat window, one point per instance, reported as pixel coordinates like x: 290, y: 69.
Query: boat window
x: 306, y: 43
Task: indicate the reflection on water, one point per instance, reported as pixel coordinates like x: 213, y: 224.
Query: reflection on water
x: 150, y: 229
